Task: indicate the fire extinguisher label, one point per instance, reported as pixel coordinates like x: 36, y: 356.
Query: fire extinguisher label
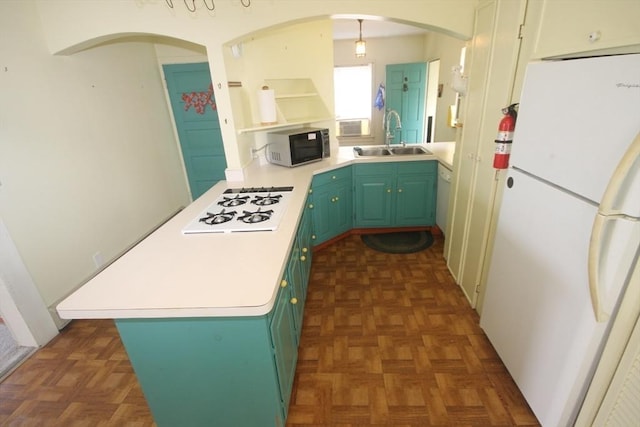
x: 503, y: 148
x: 504, y: 136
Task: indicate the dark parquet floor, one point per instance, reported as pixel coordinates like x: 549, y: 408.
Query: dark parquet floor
x: 387, y: 340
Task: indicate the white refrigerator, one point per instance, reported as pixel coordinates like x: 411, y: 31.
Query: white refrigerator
x: 568, y: 232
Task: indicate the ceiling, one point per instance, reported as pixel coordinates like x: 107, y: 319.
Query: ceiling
x: 349, y: 29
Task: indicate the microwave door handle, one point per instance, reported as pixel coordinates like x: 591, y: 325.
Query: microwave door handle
x: 607, y: 212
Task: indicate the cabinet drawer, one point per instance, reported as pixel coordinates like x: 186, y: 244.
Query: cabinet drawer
x: 419, y: 167
x: 375, y: 168
x: 331, y: 176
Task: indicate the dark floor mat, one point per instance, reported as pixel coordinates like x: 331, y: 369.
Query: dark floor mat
x: 403, y: 242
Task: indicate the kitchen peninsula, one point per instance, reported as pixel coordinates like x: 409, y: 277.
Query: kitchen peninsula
x: 206, y: 318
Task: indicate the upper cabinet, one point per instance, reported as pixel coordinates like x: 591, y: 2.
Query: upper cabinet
x: 297, y: 102
x: 579, y: 28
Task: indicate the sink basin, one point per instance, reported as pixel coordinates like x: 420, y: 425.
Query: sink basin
x: 409, y: 150
x: 393, y: 151
x: 371, y: 151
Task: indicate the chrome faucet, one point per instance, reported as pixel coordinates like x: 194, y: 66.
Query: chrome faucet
x: 389, y: 134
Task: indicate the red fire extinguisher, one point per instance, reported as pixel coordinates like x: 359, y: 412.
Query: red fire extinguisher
x: 505, y: 137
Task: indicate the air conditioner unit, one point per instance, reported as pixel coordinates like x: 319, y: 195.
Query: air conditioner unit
x: 351, y: 128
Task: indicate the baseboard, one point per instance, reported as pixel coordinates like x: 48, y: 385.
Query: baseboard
x: 57, y: 320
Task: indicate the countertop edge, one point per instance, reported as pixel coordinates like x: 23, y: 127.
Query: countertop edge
x: 254, y: 173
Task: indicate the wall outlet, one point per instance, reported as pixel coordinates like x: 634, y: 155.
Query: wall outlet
x: 98, y: 259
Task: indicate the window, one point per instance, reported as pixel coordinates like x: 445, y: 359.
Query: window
x: 353, y: 100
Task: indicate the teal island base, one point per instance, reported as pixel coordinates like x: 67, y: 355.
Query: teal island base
x: 206, y: 371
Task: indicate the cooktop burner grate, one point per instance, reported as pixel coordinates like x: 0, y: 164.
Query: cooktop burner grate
x: 233, y: 201
x: 217, y: 218
x: 269, y: 199
x: 237, y: 214
x: 255, y: 217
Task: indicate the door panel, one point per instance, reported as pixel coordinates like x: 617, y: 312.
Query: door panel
x: 373, y: 204
x: 406, y: 93
x: 198, y: 126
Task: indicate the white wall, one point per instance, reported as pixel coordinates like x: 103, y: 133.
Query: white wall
x: 88, y: 161
x: 447, y: 50
x: 380, y: 52
x: 70, y: 25
x: 403, y: 50
x: 293, y: 52
x: 88, y: 158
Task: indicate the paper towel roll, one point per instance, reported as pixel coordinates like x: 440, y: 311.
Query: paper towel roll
x: 267, y: 105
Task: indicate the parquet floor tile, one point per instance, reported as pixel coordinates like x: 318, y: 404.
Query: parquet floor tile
x: 387, y: 340
x: 390, y: 340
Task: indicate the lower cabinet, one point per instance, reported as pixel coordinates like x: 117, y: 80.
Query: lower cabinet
x: 224, y: 371
x: 298, y: 269
x: 285, y: 345
x: 214, y: 371
x: 332, y: 205
x: 395, y: 194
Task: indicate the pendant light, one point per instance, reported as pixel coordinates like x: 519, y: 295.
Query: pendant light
x: 361, y: 45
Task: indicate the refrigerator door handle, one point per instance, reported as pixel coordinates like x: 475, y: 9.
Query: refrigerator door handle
x: 607, y: 212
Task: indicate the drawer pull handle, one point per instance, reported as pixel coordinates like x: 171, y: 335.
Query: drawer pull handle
x: 294, y: 300
x: 283, y: 284
x: 303, y: 258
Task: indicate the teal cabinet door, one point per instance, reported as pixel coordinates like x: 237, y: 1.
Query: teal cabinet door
x: 295, y: 281
x: 414, y: 200
x: 373, y: 200
x: 322, y: 208
x: 398, y: 194
x: 332, y: 210
x: 285, y: 346
x: 343, y: 212
x: 305, y: 239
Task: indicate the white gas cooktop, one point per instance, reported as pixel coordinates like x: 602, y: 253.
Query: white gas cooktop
x: 242, y: 209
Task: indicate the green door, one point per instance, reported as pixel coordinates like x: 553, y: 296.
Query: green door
x: 406, y: 91
x: 193, y: 104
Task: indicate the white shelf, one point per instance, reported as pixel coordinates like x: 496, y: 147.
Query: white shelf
x: 297, y: 103
x: 297, y: 95
x: 302, y: 121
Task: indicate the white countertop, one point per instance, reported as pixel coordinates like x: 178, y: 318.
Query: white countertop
x: 170, y: 274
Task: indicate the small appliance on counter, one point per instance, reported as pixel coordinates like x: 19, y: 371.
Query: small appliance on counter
x: 295, y: 147
x: 242, y: 209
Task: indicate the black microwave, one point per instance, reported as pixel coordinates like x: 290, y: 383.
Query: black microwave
x: 295, y: 147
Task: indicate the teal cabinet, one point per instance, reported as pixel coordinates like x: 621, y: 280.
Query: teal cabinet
x: 285, y: 347
x: 373, y: 194
x: 298, y: 269
x: 332, y: 206
x: 210, y: 371
x: 395, y: 194
x: 224, y: 371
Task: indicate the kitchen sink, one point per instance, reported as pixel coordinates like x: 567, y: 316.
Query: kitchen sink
x: 409, y: 150
x: 371, y: 151
x: 384, y: 151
